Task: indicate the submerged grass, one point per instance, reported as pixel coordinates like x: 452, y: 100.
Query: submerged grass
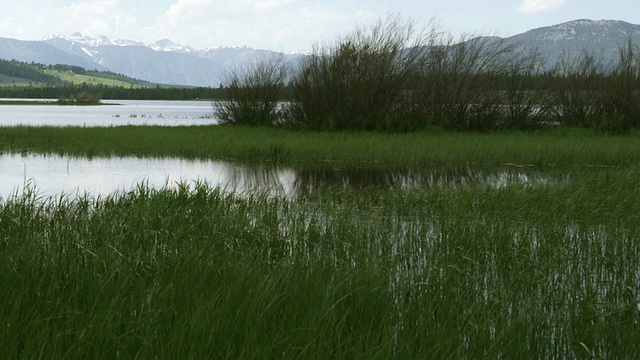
x: 552, y: 146
x: 190, y: 271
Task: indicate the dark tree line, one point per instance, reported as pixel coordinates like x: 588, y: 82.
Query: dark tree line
x: 70, y: 91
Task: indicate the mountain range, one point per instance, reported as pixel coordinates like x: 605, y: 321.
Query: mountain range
x: 166, y: 62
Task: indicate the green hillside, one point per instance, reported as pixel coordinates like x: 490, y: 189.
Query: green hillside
x: 38, y: 81
x: 6, y: 80
x: 17, y: 73
x: 71, y: 77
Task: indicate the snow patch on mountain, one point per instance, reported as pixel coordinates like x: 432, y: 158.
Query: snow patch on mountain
x: 168, y: 45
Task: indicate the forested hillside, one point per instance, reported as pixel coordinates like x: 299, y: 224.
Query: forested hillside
x: 29, y: 71
x: 34, y: 80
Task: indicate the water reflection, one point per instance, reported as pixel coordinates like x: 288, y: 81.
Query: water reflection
x: 115, y: 113
x: 485, y: 176
x: 54, y: 174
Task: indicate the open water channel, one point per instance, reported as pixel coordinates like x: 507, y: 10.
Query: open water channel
x: 51, y: 175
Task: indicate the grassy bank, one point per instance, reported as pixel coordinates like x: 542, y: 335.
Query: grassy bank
x: 558, y: 146
x: 549, y: 272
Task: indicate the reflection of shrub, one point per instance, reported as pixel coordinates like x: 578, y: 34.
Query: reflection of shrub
x: 252, y: 93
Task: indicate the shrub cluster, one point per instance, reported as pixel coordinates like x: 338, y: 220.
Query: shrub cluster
x: 81, y: 98
x: 594, y: 94
x: 391, y: 77
x: 365, y: 80
x: 253, y: 93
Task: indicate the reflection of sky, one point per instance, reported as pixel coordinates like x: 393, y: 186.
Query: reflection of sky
x: 53, y: 174
x: 127, y: 112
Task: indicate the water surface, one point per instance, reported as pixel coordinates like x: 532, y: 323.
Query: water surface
x: 117, y: 113
x: 55, y: 174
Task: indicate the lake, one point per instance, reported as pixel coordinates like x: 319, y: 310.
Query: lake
x: 117, y: 113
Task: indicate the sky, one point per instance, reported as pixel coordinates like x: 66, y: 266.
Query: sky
x: 286, y: 25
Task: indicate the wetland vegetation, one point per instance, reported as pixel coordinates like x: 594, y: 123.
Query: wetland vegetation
x: 555, y: 146
x: 391, y: 77
x: 334, y: 272
x: 452, y: 270
x: 550, y: 270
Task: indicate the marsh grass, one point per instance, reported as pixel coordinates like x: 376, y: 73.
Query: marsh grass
x: 549, y: 147
x: 188, y: 270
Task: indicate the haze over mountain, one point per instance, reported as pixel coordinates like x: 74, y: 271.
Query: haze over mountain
x: 169, y: 63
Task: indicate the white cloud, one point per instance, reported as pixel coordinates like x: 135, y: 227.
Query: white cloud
x: 271, y: 4
x: 286, y: 25
x: 269, y: 24
x: 538, y: 6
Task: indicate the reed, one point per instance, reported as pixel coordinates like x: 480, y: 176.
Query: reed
x: 551, y: 146
x: 192, y: 271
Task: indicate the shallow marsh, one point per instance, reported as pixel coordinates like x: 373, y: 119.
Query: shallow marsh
x: 369, y: 260
x: 341, y: 272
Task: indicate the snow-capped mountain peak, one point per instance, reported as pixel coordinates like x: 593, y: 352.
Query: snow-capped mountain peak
x: 168, y: 45
x: 121, y: 42
x: 302, y: 52
x: 238, y: 47
x: 86, y: 42
x: 78, y: 38
x: 89, y: 42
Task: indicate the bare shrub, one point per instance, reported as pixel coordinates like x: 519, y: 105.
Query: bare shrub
x: 252, y: 92
x: 523, y: 95
x: 462, y: 77
x: 579, y: 77
x: 619, y: 100
x: 365, y: 80
x: 591, y: 95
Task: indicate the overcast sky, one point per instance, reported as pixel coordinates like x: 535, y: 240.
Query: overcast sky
x: 285, y: 25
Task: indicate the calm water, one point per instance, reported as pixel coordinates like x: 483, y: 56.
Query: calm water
x: 53, y: 175
x: 126, y: 112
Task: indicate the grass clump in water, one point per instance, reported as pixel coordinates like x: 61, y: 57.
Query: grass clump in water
x: 192, y: 271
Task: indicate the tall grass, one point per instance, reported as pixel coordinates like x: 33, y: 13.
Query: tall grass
x: 548, y: 272
x: 556, y: 146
